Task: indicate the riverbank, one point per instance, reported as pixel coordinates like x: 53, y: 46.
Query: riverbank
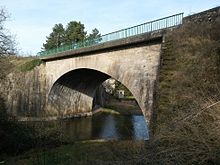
x: 126, y: 106
x: 84, y: 152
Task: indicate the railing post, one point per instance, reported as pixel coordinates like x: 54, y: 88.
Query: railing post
x: 151, y: 26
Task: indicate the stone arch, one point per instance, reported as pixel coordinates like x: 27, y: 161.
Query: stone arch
x: 135, y: 67
x: 73, y: 92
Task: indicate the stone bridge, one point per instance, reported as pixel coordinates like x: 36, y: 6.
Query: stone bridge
x: 66, y: 83
x: 74, y: 76
x: 130, y: 56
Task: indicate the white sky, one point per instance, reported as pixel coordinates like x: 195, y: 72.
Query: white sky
x: 32, y: 20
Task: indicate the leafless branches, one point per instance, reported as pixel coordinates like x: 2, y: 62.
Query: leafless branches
x: 7, y: 43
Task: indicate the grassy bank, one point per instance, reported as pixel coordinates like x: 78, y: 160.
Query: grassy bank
x: 187, y: 125
x: 105, y: 110
x: 126, y: 106
x: 86, y: 152
x: 29, y: 65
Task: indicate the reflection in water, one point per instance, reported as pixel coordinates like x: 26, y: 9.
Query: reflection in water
x: 78, y: 129
x: 106, y: 126
x: 107, y: 129
x: 140, y: 127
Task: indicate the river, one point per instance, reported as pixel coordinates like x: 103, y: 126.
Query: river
x: 106, y: 126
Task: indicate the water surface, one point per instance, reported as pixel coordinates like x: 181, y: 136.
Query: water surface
x: 106, y: 126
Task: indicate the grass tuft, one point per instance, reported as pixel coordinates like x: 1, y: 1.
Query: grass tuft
x: 30, y: 65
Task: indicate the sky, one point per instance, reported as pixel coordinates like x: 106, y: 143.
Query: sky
x: 32, y: 20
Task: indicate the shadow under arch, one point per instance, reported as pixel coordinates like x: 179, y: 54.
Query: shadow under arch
x: 72, y: 94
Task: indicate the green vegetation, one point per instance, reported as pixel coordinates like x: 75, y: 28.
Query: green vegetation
x: 14, y: 137
x: 16, y: 64
x: 17, y: 137
x: 74, y: 32
x: 86, y: 152
x: 124, y: 106
x: 29, y: 65
x: 106, y: 110
x: 119, y: 86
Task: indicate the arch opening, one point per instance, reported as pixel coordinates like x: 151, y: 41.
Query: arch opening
x: 77, y: 93
x: 80, y: 93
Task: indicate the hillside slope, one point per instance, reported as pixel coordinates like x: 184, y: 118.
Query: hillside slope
x: 188, y: 95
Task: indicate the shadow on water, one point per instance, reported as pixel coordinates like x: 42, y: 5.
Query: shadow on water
x: 106, y: 126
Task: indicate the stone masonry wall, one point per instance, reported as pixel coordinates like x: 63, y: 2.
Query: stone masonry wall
x: 205, y: 16
x: 24, y: 92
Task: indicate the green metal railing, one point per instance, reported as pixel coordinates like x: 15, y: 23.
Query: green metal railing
x: 147, y: 27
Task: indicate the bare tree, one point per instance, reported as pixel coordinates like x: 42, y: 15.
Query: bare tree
x: 7, y: 42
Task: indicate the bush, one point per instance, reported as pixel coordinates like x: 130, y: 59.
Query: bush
x: 14, y: 137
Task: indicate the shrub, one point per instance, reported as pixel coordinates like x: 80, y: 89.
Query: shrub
x: 14, y: 137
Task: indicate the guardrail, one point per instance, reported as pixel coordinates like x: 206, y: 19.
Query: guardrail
x: 159, y: 24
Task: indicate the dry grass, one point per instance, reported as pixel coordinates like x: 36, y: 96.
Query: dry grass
x: 187, y: 130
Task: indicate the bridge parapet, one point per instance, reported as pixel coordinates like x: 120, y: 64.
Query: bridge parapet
x: 138, y: 40
x: 145, y: 28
